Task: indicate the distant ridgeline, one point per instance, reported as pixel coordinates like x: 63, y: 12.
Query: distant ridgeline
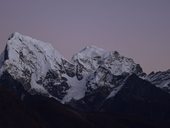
x: 95, y: 85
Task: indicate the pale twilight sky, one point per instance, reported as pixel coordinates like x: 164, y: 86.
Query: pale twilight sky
x: 139, y: 29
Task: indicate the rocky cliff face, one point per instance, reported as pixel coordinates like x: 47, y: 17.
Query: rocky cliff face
x: 161, y: 79
x: 95, y: 80
x: 39, y: 68
x: 140, y: 99
x: 36, y: 65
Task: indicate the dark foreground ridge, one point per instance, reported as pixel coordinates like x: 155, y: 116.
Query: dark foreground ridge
x: 39, y: 88
x: 138, y: 104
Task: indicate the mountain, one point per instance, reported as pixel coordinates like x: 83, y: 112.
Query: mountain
x: 37, y: 67
x: 161, y: 79
x: 91, y: 57
x: 139, y: 99
x: 37, y: 112
x: 13, y: 113
x: 93, y: 86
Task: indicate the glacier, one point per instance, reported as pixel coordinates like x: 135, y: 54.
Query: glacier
x: 41, y: 69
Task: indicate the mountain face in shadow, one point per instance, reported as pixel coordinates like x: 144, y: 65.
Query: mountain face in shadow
x: 14, y: 114
x: 139, y: 99
x: 137, y: 104
x: 37, y: 112
x: 96, y: 89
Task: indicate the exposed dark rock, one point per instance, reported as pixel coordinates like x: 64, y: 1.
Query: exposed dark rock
x: 141, y: 100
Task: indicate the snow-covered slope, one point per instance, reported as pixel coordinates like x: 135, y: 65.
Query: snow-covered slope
x: 97, y: 64
x: 91, y: 57
x: 39, y: 68
x: 119, y: 64
x: 104, y: 73
x: 105, y: 69
x: 1, y: 59
x: 93, y: 81
x: 161, y: 79
x: 87, y: 61
x: 36, y: 65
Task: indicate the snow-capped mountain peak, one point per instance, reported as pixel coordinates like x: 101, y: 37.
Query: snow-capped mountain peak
x: 92, y: 51
x: 31, y: 62
x: 89, y: 57
x: 39, y: 68
x: 119, y: 64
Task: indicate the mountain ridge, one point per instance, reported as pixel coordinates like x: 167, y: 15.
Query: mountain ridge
x: 40, y: 68
x: 94, y: 85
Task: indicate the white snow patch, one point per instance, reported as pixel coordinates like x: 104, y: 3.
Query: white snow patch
x: 29, y: 57
x: 77, y: 90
